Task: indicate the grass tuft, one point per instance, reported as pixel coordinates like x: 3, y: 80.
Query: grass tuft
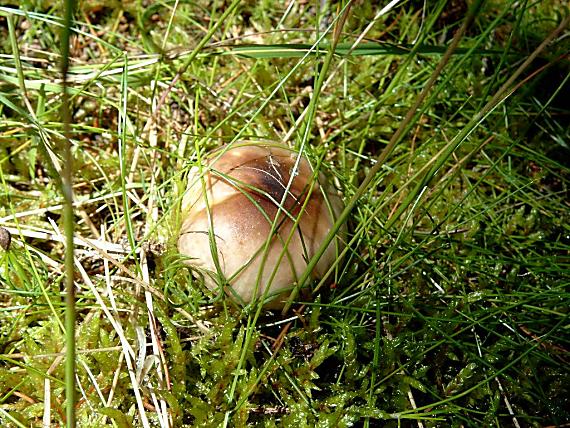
x: 444, y: 125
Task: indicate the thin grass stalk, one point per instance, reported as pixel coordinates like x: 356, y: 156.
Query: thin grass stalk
x: 312, y: 108
x: 16, y: 53
x: 122, y: 132
x: 218, y: 23
x: 396, y: 137
x: 473, y: 323
x: 67, y: 190
x: 510, y: 147
x: 495, y: 375
x: 252, y: 320
x: 12, y: 419
x: 501, y: 95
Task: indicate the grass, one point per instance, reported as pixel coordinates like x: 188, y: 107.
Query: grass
x: 450, y: 305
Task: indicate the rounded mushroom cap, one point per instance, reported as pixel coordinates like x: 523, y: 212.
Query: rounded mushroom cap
x: 250, y: 191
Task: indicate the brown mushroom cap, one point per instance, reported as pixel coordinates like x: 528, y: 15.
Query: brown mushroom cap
x: 5, y: 239
x: 245, y: 186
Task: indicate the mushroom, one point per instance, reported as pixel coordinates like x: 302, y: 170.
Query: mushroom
x: 5, y: 239
x: 254, y: 218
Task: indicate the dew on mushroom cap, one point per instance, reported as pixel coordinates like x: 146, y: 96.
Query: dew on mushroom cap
x: 249, y: 188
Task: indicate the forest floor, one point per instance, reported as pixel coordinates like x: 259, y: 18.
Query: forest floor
x: 450, y: 304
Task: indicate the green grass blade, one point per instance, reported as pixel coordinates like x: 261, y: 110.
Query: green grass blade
x: 69, y: 223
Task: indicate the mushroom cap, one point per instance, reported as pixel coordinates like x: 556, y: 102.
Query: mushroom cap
x: 245, y: 186
x: 5, y: 239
